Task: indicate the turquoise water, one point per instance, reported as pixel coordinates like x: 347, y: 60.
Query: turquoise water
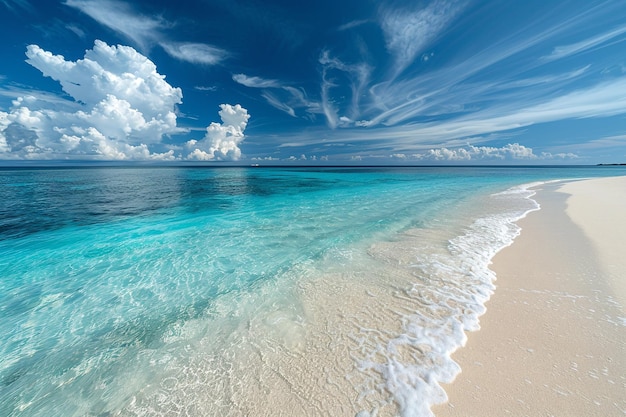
x: 117, y: 284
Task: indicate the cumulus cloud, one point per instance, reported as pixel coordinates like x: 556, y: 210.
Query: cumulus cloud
x: 117, y: 71
x: 222, y: 140
x: 511, y: 151
x: 265, y: 158
x: 123, y: 103
x: 122, y: 110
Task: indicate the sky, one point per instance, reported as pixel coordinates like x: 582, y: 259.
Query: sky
x: 322, y: 82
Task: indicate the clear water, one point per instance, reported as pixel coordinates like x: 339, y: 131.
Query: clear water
x: 155, y: 291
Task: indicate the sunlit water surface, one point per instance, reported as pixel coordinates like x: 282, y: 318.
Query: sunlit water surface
x: 197, y: 291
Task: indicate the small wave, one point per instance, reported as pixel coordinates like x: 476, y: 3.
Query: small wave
x: 454, y: 285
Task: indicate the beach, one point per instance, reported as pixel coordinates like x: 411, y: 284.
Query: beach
x: 553, y: 338
x: 232, y: 292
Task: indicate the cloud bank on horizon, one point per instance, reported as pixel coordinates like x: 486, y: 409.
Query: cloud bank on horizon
x: 400, y: 82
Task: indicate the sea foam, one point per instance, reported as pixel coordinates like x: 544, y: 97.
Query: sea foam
x: 450, y: 295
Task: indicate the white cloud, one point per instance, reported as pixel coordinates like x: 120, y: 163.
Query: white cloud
x: 550, y: 79
x: 205, y: 88
x: 118, y: 16
x: 302, y: 157
x: 38, y: 99
x: 266, y: 84
x: 118, y: 71
x: 275, y: 102
x: 600, y: 100
x: 92, y: 142
x: 16, y: 5
x: 221, y: 142
x: 146, y: 31
x: 255, y: 82
x: 511, y: 151
x: 282, y: 97
x: 587, y: 44
x: 609, y: 145
x: 409, y: 32
x: 123, y: 108
x: 432, y: 93
x: 76, y: 30
x: 199, y: 53
x: 328, y: 107
x: 297, y: 99
x: 352, y: 24
x: 358, y: 76
x: 265, y: 158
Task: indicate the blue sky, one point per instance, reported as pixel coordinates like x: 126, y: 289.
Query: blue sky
x: 324, y: 82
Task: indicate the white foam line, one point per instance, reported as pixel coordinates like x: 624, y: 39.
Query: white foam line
x: 416, y: 386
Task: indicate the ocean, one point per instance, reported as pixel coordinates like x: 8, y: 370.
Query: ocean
x: 194, y: 291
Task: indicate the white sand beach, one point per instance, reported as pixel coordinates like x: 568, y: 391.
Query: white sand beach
x: 553, y: 340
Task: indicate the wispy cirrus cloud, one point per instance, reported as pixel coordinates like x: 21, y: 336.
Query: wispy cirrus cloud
x: 358, y: 76
x: 408, y: 32
x: 278, y: 104
x: 256, y: 82
x: 613, y: 144
x: 17, y: 5
x: 147, y: 31
x: 588, y: 44
x: 600, y: 100
x: 143, y: 31
x: 277, y: 94
x: 497, y: 89
x: 197, y: 53
x: 353, y: 24
x: 210, y: 88
x: 558, y: 78
x: 459, y: 86
x: 448, y: 91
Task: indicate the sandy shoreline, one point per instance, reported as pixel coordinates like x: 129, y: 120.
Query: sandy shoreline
x: 553, y: 339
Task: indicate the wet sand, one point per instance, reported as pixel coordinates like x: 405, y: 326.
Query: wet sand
x: 553, y: 340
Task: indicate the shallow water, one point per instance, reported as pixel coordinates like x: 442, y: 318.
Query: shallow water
x: 246, y: 291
